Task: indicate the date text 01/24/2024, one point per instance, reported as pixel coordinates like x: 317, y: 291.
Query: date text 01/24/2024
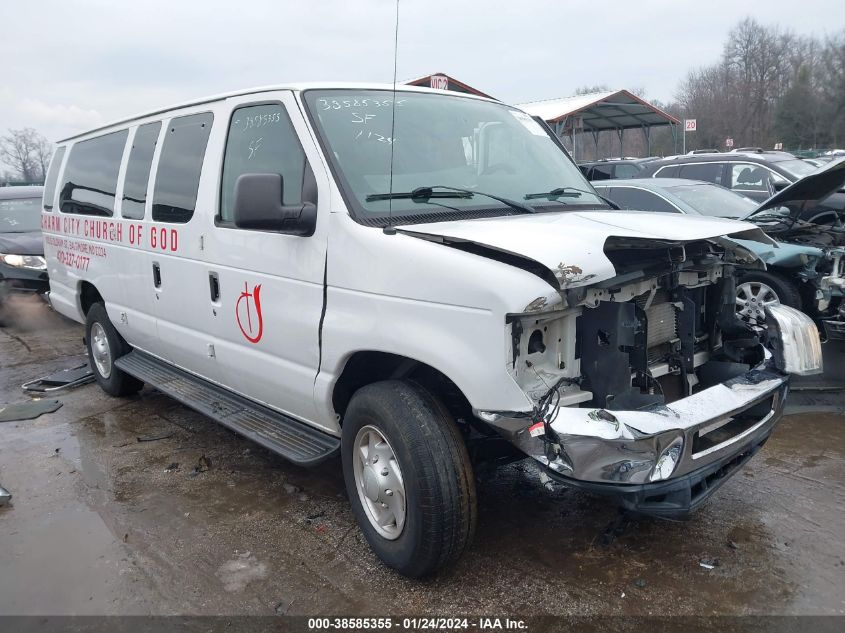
x: 418, y: 624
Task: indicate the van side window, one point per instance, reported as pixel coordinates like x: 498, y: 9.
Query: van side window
x: 180, y: 166
x: 261, y: 140
x: 138, y: 171
x: 52, y: 177
x: 90, y: 178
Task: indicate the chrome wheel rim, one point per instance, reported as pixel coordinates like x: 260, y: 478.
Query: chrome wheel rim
x: 378, y: 480
x: 752, y: 297
x: 100, y: 350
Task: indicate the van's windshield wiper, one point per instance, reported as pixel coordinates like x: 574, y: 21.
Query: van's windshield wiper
x: 568, y: 192
x: 424, y: 193
x: 559, y: 192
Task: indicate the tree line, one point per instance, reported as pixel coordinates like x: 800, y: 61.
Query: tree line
x: 27, y: 153
x: 768, y: 86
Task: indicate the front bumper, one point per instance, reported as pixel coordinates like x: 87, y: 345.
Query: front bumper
x: 674, y: 498
x: 708, y: 434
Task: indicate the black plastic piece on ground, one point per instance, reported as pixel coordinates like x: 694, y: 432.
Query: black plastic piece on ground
x: 62, y: 379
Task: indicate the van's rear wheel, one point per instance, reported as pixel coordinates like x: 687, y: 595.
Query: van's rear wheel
x: 408, y: 477
x: 106, y: 345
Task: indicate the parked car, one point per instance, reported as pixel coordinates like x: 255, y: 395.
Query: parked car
x: 273, y: 259
x: 22, y: 265
x: 605, y: 168
x: 804, y: 271
x: 676, y: 195
x: 757, y: 175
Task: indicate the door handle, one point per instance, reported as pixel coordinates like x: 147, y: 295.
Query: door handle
x: 214, y: 287
x: 156, y: 275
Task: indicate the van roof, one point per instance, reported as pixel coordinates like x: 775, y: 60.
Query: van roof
x: 297, y: 87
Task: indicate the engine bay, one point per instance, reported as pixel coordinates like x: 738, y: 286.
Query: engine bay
x: 660, y: 330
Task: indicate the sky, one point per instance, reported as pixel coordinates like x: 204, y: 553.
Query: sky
x: 71, y: 65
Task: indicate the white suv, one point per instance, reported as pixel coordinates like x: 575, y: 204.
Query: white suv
x: 420, y: 282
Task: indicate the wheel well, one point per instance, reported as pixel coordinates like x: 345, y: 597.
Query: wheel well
x: 88, y: 296
x: 364, y: 368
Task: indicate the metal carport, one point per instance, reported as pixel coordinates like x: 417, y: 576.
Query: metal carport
x: 617, y: 110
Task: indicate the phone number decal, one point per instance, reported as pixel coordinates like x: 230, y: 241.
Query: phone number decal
x: 73, y: 260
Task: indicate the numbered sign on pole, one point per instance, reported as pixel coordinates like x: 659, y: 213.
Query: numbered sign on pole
x: 689, y: 125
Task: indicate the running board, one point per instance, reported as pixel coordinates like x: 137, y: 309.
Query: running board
x: 293, y: 440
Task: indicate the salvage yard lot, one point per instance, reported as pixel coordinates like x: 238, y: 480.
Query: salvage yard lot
x: 141, y: 506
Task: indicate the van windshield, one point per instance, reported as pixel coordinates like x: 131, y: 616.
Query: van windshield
x: 441, y: 142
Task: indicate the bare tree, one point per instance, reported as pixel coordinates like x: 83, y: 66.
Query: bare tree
x: 769, y: 86
x: 588, y: 90
x: 831, y: 83
x: 27, y: 152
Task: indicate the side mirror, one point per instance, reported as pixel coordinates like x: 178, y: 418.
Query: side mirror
x: 258, y: 206
x: 779, y: 185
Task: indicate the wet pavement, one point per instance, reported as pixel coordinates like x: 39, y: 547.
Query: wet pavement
x: 141, y: 506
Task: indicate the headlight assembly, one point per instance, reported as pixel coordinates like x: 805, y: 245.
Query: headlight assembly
x: 794, y: 340
x: 33, y: 262
x: 668, y: 460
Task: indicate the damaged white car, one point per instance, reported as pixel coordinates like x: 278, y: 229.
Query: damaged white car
x: 422, y: 282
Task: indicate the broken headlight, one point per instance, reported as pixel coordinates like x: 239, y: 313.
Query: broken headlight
x: 794, y: 339
x: 668, y: 460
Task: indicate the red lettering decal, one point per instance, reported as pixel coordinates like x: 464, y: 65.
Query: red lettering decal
x: 243, y: 313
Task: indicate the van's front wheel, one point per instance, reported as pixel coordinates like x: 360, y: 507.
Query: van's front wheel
x: 408, y: 477
x: 106, y: 345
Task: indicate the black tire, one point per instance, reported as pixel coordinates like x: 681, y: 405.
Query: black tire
x: 786, y: 290
x: 117, y: 382
x: 437, y: 476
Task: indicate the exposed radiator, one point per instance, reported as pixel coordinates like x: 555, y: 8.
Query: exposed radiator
x: 662, y: 323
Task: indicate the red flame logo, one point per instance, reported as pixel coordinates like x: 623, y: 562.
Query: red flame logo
x: 251, y: 328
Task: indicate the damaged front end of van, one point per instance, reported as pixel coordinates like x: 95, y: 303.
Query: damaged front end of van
x: 646, y: 385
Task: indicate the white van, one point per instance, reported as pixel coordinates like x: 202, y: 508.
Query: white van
x: 420, y: 281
